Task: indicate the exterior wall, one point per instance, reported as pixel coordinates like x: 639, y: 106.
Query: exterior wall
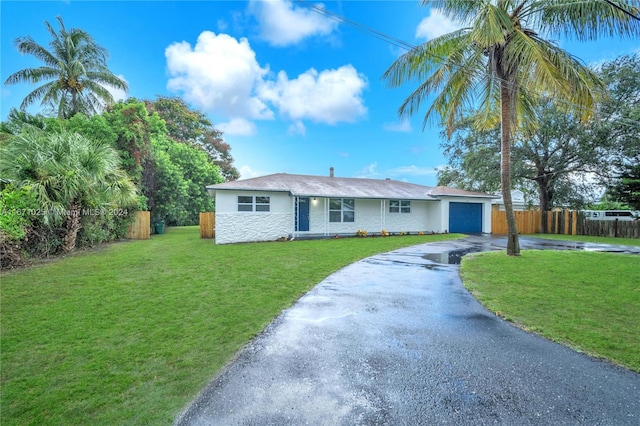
x: 416, y: 221
x: 373, y: 216
x: 233, y: 226
x: 435, y: 215
x: 367, y: 217
x: 486, y: 211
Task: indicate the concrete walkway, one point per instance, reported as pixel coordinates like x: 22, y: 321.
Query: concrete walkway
x: 395, y: 339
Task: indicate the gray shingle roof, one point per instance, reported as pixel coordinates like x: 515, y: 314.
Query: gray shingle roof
x: 326, y: 186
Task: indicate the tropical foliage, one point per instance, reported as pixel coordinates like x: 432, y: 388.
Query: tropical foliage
x: 192, y: 127
x: 75, y: 74
x: 563, y: 162
x: 500, y: 63
x: 67, y: 174
x: 172, y: 175
x: 550, y: 163
x: 627, y: 187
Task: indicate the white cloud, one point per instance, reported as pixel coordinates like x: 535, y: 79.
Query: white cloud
x: 329, y: 96
x: 369, y: 171
x: 247, y: 172
x: 238, y: 127
x: 118, y: 94
x: 222, y: 25
x: 282, y: 24
x: 413, y: 171
x: 402, y: 126
x: 297, y: 128
x: 221, y: 75
x: 435, y: 25
x: 218, y: 74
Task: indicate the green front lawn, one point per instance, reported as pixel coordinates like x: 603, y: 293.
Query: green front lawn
x: 588, y: 239
x: 589, y: 301
x: 131, y: 332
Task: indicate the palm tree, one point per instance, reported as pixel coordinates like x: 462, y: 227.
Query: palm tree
x: 75, y: 70
x: 501, y: 63
x: 67, y: 173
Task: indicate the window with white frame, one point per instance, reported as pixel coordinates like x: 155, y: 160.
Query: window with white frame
x: 250, y: 203
x: 399, y: 206
x: 342, y: 209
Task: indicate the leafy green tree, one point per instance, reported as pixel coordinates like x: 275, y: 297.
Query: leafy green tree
x: 67, y: 173
x: 195, y: 171
x: 189, y: 126
x: 172, y: 175
x: 620, y: 111
x: 17, y: 119
x: 75, y: 71
x: 500, y: 59
x: 134, y: 128
x: 555, y: 158
x: 473, y: 158
x: 627, y: 189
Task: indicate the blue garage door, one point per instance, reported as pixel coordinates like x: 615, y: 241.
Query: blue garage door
x: 465, y: 217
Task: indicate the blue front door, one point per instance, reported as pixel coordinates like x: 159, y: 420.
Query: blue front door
x: 302, y: 214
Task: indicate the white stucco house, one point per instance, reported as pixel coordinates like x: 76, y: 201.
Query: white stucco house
x: 287, y: 205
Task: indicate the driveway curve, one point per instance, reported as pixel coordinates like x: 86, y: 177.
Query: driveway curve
x: 395, y: 339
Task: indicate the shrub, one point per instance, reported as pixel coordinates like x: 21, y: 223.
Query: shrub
x: 18, y: 208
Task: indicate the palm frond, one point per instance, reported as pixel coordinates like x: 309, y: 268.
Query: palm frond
x: 490, y: 27
x: 463, y: 11
x: 38, y: 93
x: 32, y: 75
x: 27, y: 46
x: 587, y: 19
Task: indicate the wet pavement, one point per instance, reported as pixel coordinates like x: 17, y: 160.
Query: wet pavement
x: 395, y: 339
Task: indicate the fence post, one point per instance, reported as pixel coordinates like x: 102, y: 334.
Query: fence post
x: 207, y: 224
x: 140, y: 229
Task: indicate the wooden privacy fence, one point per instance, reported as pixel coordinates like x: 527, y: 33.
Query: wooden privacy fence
x: 140, y: 229
x: 566, y: 222
x: 528, y: 222
x: 611, y: 228
x: 207, y: 225
x: 562, y: 222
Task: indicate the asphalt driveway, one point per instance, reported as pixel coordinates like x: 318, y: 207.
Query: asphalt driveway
x: 395, y: 339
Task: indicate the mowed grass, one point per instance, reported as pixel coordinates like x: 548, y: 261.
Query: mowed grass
x: 589, y: 301
x: 131, y: 332
x: 589, y: 239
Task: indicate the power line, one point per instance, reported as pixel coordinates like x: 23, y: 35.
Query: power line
x: 408, y: 46
x: 360, y: 27
x: 623, y: 10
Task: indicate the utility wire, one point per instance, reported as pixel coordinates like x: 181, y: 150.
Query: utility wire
x: 623, y: 10
x: 408, y: 46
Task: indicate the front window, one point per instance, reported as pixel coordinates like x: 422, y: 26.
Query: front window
x: 249, y: 203
x: 342, y: 210
x: 399, y: 206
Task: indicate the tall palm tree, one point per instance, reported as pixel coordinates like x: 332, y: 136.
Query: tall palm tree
x: 75, y: 70
x: 500, y: 62
x: 67, y: 173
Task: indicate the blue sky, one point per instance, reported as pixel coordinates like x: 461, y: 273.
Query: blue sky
x: 293, y: 91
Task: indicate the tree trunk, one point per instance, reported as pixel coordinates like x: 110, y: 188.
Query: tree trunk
x: 513, y: 243
x: 543, y: 191
x: 72, y: 227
